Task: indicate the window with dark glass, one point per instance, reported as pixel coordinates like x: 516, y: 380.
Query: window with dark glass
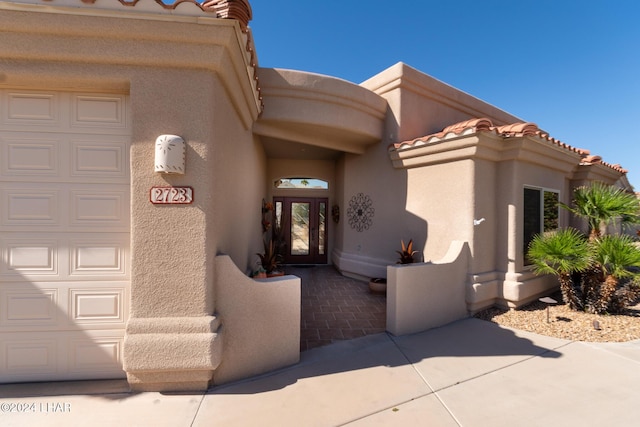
x: 540, y: 214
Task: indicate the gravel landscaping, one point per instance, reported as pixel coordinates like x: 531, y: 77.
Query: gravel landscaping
x: 568, y: 324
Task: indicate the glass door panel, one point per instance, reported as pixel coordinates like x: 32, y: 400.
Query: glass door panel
x: 300, y: 228
x: 305, y: 229
x: 322, y: 227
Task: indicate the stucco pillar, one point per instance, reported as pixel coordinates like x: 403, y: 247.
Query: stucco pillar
x: 172, y: 339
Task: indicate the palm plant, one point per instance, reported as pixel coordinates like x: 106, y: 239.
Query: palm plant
x: 561, y: 253
x: 602, y: 204
x: 592, y: 273
x: 618, y: 257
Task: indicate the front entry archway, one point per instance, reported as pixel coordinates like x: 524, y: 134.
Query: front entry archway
x: 304, y: 228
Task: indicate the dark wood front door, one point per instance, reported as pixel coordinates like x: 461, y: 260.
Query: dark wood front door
x: 304, y: 224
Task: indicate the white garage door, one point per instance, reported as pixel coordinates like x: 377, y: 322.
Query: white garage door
x: 64, y: 234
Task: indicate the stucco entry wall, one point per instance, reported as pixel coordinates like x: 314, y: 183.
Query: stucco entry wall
x: 411, y: 204
x: 427, y: 295
x: 262, y: 320
x: 188, y: 78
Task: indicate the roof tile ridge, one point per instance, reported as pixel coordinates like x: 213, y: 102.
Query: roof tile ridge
x: 518, y: 129
x: 476, y: 125
x: 239, y: 10
x: 545, y: 135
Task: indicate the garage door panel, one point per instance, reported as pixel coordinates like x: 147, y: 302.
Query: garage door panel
x: 54, y: 356
x: 96, y: 354
x: 97, y: 208
x: 64, y: 234
x: 98, y: 110
x: 24, y: 206
x: 98, y: 306
x: 22, y: 257
x: 30, y: 156
x: 64, y: 256
x: 29, y: 307
x: 106, y: 159
x: 28, y: 356
x: 99, y: 257
x: 63, y: 306
x: 34, y: 108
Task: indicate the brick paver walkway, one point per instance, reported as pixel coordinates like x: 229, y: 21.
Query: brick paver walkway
x: 336, y: 308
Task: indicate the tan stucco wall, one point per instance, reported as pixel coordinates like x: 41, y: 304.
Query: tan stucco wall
x: 432, y: 207
x: 427, y: 295
x: 423, y: 105
x: 188, y: 78
x: 366, y: 253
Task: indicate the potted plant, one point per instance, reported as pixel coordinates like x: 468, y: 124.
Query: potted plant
x: 259, y: 273
x: 270, y: 259
x: 407, y: 253
x: 379, y: 284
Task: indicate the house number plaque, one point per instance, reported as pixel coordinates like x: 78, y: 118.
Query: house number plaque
x: 171, y: 195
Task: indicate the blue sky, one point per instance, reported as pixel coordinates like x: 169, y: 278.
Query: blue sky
x: 572, y: 67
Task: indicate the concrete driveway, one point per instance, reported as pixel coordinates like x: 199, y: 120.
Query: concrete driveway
x: 468, y: 373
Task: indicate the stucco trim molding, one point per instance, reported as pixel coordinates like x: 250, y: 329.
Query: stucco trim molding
x: 519, y: 289
x: 487, y: 145
x: 70, y: 35
x: 358, y: 266
x: 178, y: 353
x: 319, y: 110
x: 483, y: 290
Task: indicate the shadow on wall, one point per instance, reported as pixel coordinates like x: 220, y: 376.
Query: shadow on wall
x: 376, y: 215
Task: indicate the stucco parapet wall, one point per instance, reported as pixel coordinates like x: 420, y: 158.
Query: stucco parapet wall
x: 45, y: 33
x: 319, y: 110
x: 598, y: 172
x: 427, y: 295
x: 261, y: 322
x: 486, y: 145
x: 404, y: 77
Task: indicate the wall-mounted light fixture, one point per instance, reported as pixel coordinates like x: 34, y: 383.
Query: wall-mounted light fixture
x: 170, y: 154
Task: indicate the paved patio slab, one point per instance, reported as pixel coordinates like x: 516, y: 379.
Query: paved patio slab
x: 586, y: 386
x: 466, y: 349
x: 338, y: 385
x: 424, y: 411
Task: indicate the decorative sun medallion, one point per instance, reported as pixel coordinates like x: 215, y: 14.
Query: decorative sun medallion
x: 360, y: 212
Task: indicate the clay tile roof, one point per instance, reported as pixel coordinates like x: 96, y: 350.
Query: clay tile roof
x: 506, y: 131
x: 239, y: 10
x: 478, y: 124
x: 465, y: 127
x: 518, y: 129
